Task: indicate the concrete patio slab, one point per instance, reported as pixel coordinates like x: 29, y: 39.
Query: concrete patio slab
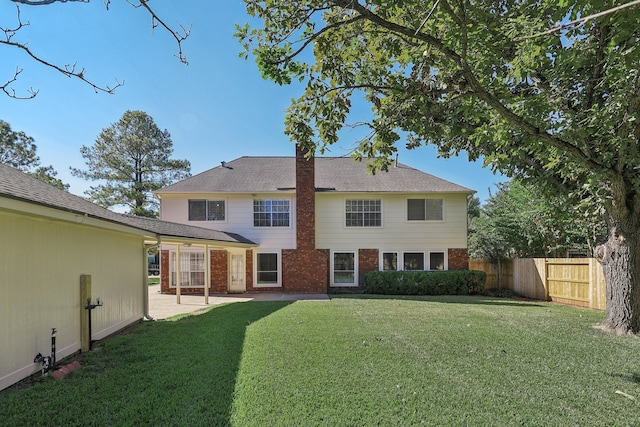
x: 162, y: 306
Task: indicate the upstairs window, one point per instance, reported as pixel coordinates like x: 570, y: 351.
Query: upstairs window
x: 206, y: 210
x: 425, y: 209
x: 271, y: 213
x: 363, y: 213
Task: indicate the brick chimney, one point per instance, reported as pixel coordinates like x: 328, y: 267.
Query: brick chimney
x: 305, y: 268
x: 305, y: 201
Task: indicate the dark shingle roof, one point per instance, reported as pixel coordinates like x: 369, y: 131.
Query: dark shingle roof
x: 340, y: 174
x: 20, y: 186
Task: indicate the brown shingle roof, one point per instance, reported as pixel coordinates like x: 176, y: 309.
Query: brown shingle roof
x: 340, y: 174
x: 20, y: 186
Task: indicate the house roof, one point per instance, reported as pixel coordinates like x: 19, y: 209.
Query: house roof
x: 339, y: 174
x: 17, y: 185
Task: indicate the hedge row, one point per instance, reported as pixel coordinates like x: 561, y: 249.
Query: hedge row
x: 451, y: 282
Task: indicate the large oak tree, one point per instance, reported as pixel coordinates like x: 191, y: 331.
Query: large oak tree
x: 538, y: 96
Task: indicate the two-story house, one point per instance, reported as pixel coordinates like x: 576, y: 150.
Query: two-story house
x: 318, y: 223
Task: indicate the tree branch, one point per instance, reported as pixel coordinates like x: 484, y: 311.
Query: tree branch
x: 314, y: 36
x: 11, y: 93
x: 480, y: 91
x: 580, y: 21
x: 45, y: 2
x: 155, y: 21
x: 71, y: 70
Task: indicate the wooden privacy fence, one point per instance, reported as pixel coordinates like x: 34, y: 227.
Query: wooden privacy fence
x: 573, y: 281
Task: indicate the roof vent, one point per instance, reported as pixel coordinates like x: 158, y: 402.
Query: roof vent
x: 223, y: 163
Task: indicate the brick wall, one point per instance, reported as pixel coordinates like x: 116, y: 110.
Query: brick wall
x: 164, y: 273
x: 219, y: 267
x: 305, y: 201
x: 368, y: 260
x: 305, y: 270
x: 458, y: 259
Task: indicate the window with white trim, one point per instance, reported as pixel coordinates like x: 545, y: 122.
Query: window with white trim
x: 267, y: 271
x: 425, y: 209
x: 344, y: 268
x: 436, y: 260
x: 206, y: 210
x: 413, y: 261
x: 389, y: 261
x: 271, y: 212
x: 191, y: 269
x: 363, y: 213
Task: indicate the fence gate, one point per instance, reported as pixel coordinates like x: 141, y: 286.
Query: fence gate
x: 567, y: 281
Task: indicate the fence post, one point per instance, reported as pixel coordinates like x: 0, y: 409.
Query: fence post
x: 546, y: 280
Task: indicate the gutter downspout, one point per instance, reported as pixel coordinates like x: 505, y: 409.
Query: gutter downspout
x: 145, y: 280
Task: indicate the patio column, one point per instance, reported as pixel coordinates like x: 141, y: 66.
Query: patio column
x: 178, y: 273
x: 207, y: 273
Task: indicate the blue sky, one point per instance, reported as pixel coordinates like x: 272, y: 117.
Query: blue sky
x: 216, y: 108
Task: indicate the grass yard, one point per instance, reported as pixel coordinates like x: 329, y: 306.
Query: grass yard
x: 353, y: 361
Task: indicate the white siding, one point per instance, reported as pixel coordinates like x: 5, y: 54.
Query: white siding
x: 41, y: 261
x: 239, y: 217
x: 396, y: 233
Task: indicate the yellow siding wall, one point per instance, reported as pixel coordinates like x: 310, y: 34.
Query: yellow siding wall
x: 239, y: 217
x: 40, y: 266
x: 396, y: 233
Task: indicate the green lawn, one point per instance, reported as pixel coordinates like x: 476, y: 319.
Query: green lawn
x: 353, y: 361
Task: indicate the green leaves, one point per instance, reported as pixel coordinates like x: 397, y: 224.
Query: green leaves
x: 560, y: 108
x: 19, y: 151
x: 16, y: 148
x: 521, y: 220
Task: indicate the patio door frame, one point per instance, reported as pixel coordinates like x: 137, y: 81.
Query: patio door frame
x: 241, y: 275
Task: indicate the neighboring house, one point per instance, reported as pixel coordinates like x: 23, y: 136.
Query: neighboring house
x: 319, y: 223
x: 50, y: 238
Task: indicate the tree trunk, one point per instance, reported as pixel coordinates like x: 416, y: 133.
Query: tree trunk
x: 620, y: 260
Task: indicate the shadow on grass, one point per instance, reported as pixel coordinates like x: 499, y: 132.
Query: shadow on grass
x: 448, y: 299
x: 179, y: 372
x: 633, y: 378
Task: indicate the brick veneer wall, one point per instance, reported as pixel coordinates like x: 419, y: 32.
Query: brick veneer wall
x: 164, y: 273
x: 305, y: 270
x: 368, y: 260
x: 305, y: 201
x: 219, y: 270
x: 458, y: 259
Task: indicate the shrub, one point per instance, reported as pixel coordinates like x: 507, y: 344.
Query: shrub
x: 452, y: 282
